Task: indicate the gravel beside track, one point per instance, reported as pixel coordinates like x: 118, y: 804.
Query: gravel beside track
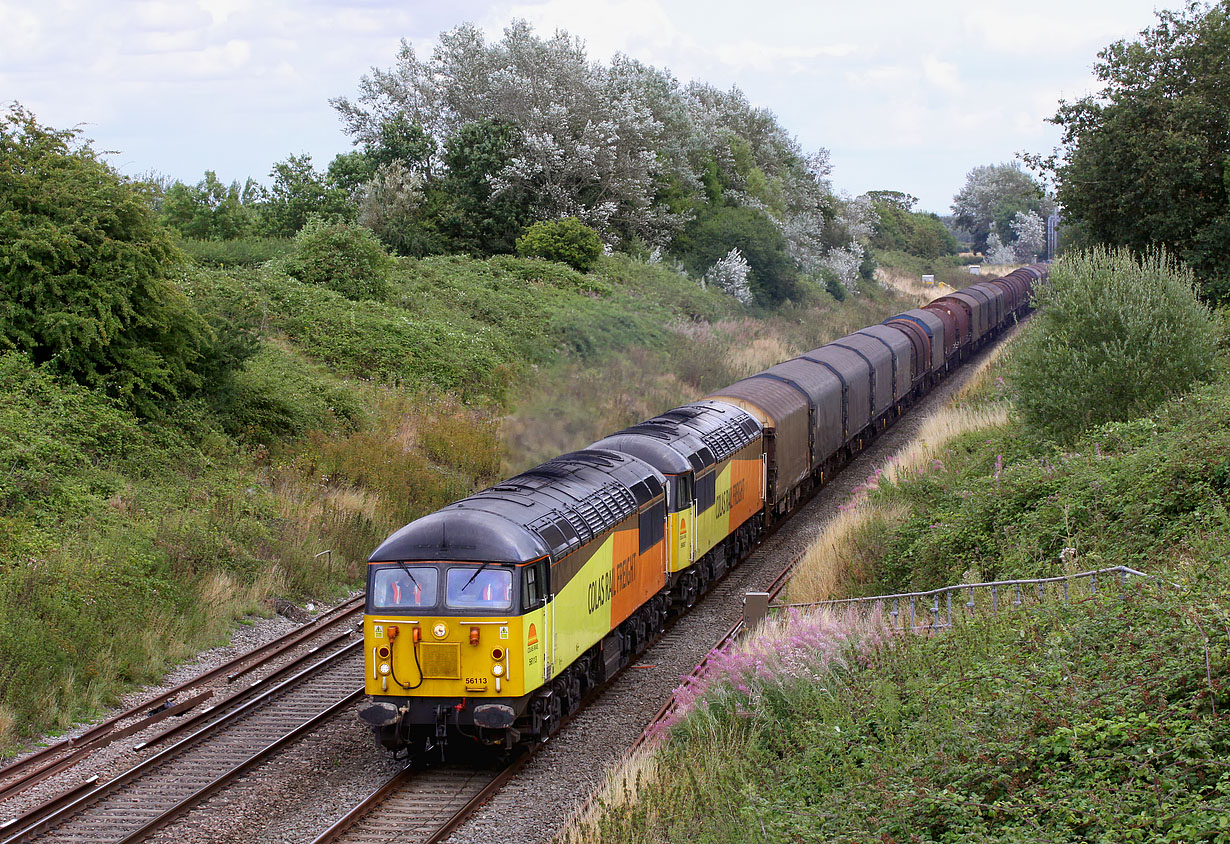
x: 126, y: 804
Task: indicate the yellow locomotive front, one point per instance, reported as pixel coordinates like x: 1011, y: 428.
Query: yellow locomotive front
x: 450, y: 643
x: 462, y: 604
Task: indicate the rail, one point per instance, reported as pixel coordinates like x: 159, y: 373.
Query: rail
x: 935, y: 606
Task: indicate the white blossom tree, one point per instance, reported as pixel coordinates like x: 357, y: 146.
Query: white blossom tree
x: 992, y: 195
x: 730, y: 274
x: 588, y: 137
x: 390, y: 201
x: 843, y: 262
x: 1030, y: 233
x: 998, y: 252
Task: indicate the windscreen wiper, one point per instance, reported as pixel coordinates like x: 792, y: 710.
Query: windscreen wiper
x: 476, y: 574
x: 409, y: 574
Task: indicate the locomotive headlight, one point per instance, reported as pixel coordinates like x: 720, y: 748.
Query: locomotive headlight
x: 440, y: 630
x: 384, y: 668
x: 497, y: 670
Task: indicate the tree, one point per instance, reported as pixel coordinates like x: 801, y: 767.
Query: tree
x: 913, y: 232
x: 350, y: 172
x: 730, y: 274
x: 298, y: 192
x: 584, y: 148
x: 774, y: 275
x: 1030, y: 231
x: 87, y: 273
x: 1143, y: 163
x: 903, y: 201
x: 1114, y: 335
x: 211, y: 210
x: 392, y: 207
x: 475, y: 217
x: 991, y: 198
x: 532, y: 129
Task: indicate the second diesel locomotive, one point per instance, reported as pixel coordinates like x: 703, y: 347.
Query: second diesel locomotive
x: 491, y: 618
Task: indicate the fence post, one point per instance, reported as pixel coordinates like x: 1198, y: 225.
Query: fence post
x: 755, y: 609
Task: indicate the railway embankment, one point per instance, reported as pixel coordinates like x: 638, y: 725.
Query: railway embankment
x: 129, y: 543
x: 1106, y: 718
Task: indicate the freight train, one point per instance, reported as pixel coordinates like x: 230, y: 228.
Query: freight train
x: 489, y: 620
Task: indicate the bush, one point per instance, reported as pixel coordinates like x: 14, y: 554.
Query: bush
x: 87, y: 272
x: 343, y: 257
x: 568, y: 241
x: 1115, y: 335
x: 279, y: 396
x: 708, y: 238
x: 832, y: 284
x: 240, y: 251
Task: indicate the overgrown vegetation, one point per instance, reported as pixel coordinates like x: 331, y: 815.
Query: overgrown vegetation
x: 1114, y: 336
x: 1098, y: 721
x: 1009, y: 728
x: 87, y: 275
x: 344, y: 257
x: 568, y: 241
x: 1143, y: 161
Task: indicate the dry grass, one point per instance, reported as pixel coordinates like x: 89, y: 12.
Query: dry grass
x: 935, y: 434
x: 623, y: 787
x: 911, y: 285
x: 8, y: 728
x: 844, y: 549
x: 978, y: 375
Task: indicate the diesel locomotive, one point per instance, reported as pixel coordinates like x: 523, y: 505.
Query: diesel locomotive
x: 489, y: 620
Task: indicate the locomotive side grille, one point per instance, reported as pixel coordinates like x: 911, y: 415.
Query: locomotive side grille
x: 440, y: 661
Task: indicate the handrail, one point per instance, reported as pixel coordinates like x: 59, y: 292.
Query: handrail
x: 941, y: 618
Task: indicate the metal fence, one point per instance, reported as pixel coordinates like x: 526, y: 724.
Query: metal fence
x: 934, y: 610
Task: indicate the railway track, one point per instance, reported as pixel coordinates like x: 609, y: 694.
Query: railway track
x: 418, y: 806
x: 238, y: 731
x: 32, y: 769
x: 427, y: 805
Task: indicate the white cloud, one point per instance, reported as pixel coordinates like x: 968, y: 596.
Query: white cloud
x: 898, y: 91
x: 1048, y: 32
x: 942, y: 75
x: 769, y: 58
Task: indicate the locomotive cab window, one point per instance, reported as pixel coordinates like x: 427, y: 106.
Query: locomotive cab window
x: 534, y: 585
x: 403, y: 587
x: 706, y: 491
x: 475, y: 588
x: 681, y: 493
x: 652, y: 525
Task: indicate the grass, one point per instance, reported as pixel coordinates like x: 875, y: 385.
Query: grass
x: 577, y: 399
x: 1097, y: 721
x: 1103, y: 720
x: 128, y: 545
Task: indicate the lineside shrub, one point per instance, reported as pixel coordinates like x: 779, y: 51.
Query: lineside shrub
x: 568, y: 241
x: 344, y: 257
x: 1114, y: 336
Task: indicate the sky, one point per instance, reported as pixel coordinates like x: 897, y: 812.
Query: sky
x: 905, y: 96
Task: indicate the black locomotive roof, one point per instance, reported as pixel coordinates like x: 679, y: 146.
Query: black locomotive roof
x: 687, y: 438
x: 549, y: 511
